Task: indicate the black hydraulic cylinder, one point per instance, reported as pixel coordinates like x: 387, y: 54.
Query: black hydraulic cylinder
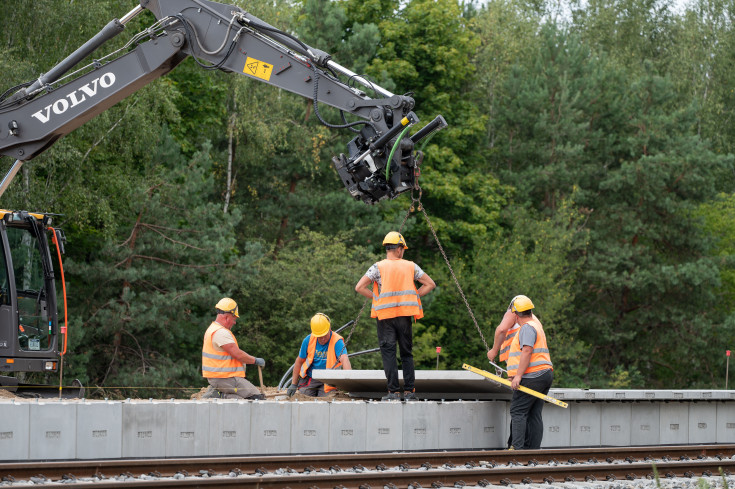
x: 112, y: 29
x: 435, y: 125
x: 390, y: 133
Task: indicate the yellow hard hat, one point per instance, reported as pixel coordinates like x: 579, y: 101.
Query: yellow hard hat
x: 320, y: 324
x: 227, y: 305
x: 394, y: 237
x: 521, y: 303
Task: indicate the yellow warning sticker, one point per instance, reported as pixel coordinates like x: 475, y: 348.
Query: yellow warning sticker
x: 257, y: 68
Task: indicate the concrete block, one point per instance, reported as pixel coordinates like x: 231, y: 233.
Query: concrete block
x: 53, y: 431
x: 14, y: 431
x: 456, y: 424
x: 99, y: 430
x: 229, y: 427
x: 557, y: 425
x: 674, y: 423
x: 144, y: 429
x: 420, y: 427
x: 187, y: 426
x: 645, y: 423
x: 310, y: 427
x: 347, y: 426
x: 615, y: 424
x: 490, y: 425
x: 270, y: 427
x: 384, y: 426
x: 702, y: 422
x: 584, y: 424
x: 725, y: 422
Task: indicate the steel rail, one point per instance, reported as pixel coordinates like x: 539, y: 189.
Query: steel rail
x: 619, y: 461
x: 440, y: 477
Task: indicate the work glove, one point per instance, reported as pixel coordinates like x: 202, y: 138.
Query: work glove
x: 291, y: 390
x: 259, y: 362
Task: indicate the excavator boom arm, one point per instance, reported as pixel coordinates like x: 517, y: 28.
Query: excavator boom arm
x: 224, y: 37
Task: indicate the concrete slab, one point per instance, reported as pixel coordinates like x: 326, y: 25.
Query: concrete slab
x: 310, y: 427
x: 229, y: 427
x: 584, y: 424
x: 420, y: 427
x: 187, y: 425
x: 645, y: 423
x: 347, y: 426
x: 557, y: 425
x: 456, y: 421
x: 53, y: 434
x: 99, y: 430
x: 674, y: 423
x: 702, y: 422
x: 615, y: 424
x: 270, y: 427
x: 384, y: 426
x: 143, y: 429
x: 14, y: 431
x: 725, y: 422
x: 430, y: 384
x: 491, y: 424
x: 639, y: 395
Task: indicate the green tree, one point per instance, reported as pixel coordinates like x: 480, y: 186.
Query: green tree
x: 144, y: 298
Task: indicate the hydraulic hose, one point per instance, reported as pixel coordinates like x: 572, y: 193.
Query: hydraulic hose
x: 393, y: 150
x: 285, y: 377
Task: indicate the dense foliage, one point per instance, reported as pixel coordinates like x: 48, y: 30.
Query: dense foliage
x: 588, y: 164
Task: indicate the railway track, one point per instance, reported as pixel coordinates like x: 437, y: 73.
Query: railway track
x: 389, y: 470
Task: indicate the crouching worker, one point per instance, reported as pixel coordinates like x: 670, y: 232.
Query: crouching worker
x: 322, y: 349
x: 223, y: 362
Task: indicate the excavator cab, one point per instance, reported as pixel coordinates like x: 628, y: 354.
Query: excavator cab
x: 29, y: 329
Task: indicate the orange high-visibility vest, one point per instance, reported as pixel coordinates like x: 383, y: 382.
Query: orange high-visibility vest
x: 217, y: 364
x: 398, y: 295
x: 540, y: 359
x: 332, y: 360
x: 505, y: 347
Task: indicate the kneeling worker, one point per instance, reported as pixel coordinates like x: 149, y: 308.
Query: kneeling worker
x: 223, y: 362
x: 322, y: 349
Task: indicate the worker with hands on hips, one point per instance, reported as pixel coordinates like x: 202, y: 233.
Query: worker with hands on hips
x: 223, y: 362
x: 396, y: 305
x: 322, y: 349
x: 529, y: 364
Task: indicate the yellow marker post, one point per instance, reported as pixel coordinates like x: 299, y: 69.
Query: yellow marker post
x: 506, y: 382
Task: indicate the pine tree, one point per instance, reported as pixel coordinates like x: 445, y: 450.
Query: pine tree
x: 149, y: 293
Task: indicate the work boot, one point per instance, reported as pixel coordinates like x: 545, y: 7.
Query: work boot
x: 410, y: 396
x: 392, y: 396
x: 256, y: 397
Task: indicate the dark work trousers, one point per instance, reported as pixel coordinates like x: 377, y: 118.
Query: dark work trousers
x: 391, y: 331
x: 526, y: 423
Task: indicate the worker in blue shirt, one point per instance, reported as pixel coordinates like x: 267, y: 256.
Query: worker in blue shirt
x: 322, y: 349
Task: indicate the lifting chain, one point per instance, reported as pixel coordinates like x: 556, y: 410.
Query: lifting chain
x: 456, y: 282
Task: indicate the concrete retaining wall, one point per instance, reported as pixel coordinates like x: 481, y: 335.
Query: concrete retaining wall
x: 66, y: 430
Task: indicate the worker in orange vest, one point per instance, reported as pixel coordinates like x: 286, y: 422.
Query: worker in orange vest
x: 504, y: 333
x: 322, y: 349
x: 529, y: 364
x: 223, y: 362
x: 396, y: 304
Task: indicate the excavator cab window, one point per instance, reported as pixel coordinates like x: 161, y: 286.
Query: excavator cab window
x: 4, y: 280
x: 34, y: 329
